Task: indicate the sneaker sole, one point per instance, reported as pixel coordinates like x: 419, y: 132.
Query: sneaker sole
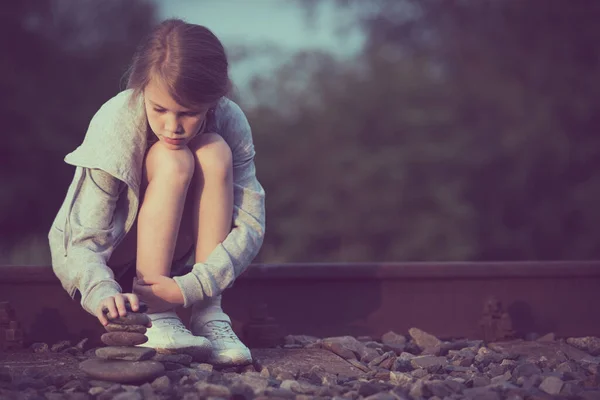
x: 226, y: 361
x: 199, y: 354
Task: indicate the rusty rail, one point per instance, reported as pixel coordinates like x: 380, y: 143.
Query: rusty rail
x: 445, y: 298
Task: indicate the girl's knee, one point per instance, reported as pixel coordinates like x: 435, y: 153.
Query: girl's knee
x: 213, y: 156
x: 173, y: 165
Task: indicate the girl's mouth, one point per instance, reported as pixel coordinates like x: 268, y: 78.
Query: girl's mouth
x: 173, y: 141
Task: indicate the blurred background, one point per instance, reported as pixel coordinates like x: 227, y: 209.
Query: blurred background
x: 385, y: 130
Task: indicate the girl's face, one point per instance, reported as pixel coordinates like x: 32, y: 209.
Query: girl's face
x: 173, y: 124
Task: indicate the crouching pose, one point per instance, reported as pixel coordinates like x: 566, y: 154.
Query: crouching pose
x: 165, y: 174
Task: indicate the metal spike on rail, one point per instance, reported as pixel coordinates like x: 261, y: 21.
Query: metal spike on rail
x: 11, y: 334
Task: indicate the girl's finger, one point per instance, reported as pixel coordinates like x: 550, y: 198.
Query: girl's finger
x: 133, y: 301
x: 102, y: 317
x: 109, y: 305
x: 120, y: 303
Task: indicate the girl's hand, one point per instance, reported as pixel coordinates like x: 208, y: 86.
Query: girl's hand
x: 160, y: 293
x: 114, y: 306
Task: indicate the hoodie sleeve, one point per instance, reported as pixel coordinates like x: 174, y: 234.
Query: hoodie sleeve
x: 89, y: 236
x: 231, y: 257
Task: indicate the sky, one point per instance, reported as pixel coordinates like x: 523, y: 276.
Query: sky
x: 283, y: 23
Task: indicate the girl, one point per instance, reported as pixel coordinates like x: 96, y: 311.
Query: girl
x: 165, y: 173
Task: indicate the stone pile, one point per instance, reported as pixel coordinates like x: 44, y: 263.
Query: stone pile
x: 121, y: 361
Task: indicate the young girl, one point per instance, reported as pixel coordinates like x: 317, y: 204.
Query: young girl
x: 165, y: 172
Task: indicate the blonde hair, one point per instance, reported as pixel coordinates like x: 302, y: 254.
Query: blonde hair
x: 189, y: 59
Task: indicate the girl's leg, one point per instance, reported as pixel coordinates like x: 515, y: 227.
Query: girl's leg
x: 213, y: 207
x: 212, y: 190
x: 166, y: 177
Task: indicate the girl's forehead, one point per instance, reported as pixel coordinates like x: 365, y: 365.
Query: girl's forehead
x: 158, y: 94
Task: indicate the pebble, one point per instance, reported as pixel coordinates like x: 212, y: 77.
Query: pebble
x: 131, y: 318
x: 122, y: 371
x: 125, y: 353
x: 123, y: 338
x: 111, y: 327
x: 472, y: 370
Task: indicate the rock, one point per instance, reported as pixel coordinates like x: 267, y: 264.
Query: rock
x: 346, y: 347
x: 131, y: 318
x: 486, y: 356
x: 122, y: 371
x: 548, y: 337
x: 505, y: 377
x: 480, y: 381
x: 60, y: 346
x: 212, y: 390
x: 426, y: 342
x: 39, y: 347
x: 302, y: 340
x: 589, y: 344
x: 161, y: 384
x: 184, y: 359
x: 368, y: 355
x: 123, y: 338
x: 202, y: 367
x: 125, y: 353
x: 526, y: 370
x: 428, y: 361
x: 394, y: 341
x: 382, y: 358
x: 417, y: 389
x: 317, y: 375
x: 551, y: 385
x: 299, y: 387
x: 402, y: 365
x: 112, y: 327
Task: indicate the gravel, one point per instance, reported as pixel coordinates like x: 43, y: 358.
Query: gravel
x: 412, y: 367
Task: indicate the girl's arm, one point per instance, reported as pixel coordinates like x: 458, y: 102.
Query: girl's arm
x: 230, y: 258
x: 88, y: 237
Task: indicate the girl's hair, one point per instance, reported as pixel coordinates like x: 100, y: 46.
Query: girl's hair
x: 187, y: 58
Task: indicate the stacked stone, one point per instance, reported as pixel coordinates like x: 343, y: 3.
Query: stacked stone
x: 121, y: 361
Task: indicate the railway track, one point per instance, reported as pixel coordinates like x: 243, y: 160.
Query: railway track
x: 370, y: 299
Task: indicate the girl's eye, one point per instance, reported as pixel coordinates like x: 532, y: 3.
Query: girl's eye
x: 189, y: 114
x: 159, y: 110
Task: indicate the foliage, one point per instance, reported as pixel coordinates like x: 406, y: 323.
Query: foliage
x: 464, y: 130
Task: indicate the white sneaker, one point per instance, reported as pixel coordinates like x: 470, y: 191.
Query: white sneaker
x: 168, y: 335
x: 227, y: 349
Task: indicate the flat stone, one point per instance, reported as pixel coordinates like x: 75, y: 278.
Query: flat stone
x: 553, y: 351
x: 122, y: 371
x: 123, y: 338
x: 131, y: 318
x: 425, y: 341
x: 428, y: 361
x: 111, y: 327
x: 303, y: 360
x: 184, y: 359
x: 551, y: 385
x: 125, y: 353
x: 344, y: 346
x: 394, y: 341
x: 588, y: 344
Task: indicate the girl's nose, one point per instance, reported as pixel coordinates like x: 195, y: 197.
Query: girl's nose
x: 172, y: 125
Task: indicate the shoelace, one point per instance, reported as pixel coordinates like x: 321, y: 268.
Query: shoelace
x: 221, y: 330
x: 174, y: 323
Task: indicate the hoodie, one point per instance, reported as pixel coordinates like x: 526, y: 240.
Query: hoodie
x: 97, y: 213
